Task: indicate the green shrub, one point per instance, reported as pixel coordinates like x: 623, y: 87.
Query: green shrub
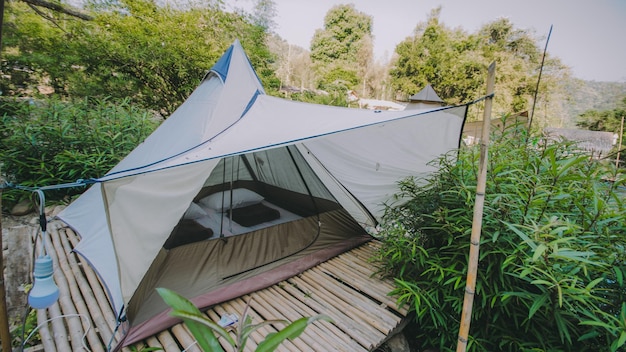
x: 51, y: 142
x: 552, y: 252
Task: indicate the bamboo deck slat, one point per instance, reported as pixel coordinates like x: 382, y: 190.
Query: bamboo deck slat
x: 343, y: 288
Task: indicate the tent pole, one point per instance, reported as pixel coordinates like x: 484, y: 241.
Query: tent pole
x: 468, y: 301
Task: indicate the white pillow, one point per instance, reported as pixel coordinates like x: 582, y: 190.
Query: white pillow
x: 194, y: 212
x: 241, y: 198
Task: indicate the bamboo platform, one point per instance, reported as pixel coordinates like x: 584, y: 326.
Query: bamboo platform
x: 343, y: 288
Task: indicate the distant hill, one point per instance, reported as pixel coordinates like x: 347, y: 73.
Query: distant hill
x: 591, y: 95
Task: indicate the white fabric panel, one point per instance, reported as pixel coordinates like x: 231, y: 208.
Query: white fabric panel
x: 143, y: 210
x: 273, y: 121
x: 341, y: 194
x: 370, y: 162
x: 87, y: 217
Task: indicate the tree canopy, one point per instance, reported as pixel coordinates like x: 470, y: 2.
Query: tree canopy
x: 455, y: 62
x: 604, y: 120
x: 155, y: 54
x: 342, y: 51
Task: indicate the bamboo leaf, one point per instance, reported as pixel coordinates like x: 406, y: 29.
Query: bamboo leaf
x: 594, y: 283
x: 200, y: 327
x: 619, y: 276
x: 597, y: 323
x: 568, y: 164
x: 292, y: 331
x: 522, y: 235
x: 539, y: 251
x: 619, y: 342
x: 203, y: 330
x: 537, y: 304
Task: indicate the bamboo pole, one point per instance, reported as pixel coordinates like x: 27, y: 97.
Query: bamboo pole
x: 468, y: 301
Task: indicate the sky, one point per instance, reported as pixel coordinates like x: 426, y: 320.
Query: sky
x: 589, y: 36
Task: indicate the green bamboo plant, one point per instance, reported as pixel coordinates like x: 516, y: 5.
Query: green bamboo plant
x: 552, y: 253
x: 47, y: 142
x: 204, y: 329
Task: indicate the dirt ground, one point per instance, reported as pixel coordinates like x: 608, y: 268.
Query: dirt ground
x: 17, y: 261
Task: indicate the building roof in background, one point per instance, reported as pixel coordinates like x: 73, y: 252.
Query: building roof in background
x: 427, y: 94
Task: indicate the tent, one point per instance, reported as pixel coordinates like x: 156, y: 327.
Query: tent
x: 238, y: 190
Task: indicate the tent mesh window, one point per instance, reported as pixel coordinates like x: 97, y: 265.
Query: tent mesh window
x: 249, y: 192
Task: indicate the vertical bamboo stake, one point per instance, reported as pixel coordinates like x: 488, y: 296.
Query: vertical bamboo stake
x: 468, y: 301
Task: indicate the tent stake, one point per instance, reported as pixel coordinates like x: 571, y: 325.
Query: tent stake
x: 468, y: 301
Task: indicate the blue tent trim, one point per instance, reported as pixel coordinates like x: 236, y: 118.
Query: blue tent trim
x: 222, y: 65
x: 251, y: 102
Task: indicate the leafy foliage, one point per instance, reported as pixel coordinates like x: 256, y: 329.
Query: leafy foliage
x: 20, y: 332
x: 455, y: 62
x: 54, y: 142
x: 204, y: 329
x: 340, y: 40
x: 436, y: 56
x: 607, y: 120
x: 154, y: 54
x: 552, y: 256
x: 342, y: 51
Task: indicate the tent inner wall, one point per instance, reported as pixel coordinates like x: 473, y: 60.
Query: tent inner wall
x: 281, y: 167
x: 199, y: 265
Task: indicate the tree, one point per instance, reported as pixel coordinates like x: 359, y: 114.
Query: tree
x: 607, y: 120
x: 292, y: 65
x: 342, y: 50
x: 264, y: 13
x: 518, y: 58
x: 455, y: 62
x: 154, y: 54
x: 441, y: 57
x: 61, y: 8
